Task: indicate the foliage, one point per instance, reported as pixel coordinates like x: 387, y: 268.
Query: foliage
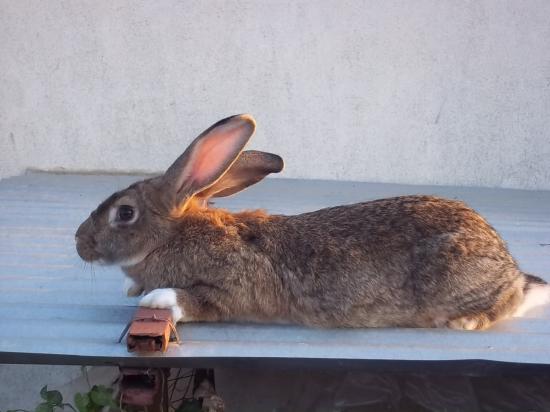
x: 97, y: 398
x: 102, y: 398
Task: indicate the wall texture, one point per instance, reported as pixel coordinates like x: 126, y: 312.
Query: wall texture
x: 435, y: 92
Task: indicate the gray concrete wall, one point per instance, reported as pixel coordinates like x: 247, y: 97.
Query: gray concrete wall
x: 434, y: 92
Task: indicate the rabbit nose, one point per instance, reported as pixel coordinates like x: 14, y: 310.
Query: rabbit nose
x: 85, y: 247
x: 84, y: 229
x: 78, y: 239
x: 83, y: 237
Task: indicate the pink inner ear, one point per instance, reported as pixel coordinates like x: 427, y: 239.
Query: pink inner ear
x: 214, y: 155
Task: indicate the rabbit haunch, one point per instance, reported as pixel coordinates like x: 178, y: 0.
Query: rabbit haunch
x: 415, y: 261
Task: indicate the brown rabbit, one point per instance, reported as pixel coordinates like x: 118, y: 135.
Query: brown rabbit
x: 412, y: 261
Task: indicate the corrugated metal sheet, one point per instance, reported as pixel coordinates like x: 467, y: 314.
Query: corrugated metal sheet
x: 55, y: 309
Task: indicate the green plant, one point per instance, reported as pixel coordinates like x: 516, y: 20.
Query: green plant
x: 97, y: 398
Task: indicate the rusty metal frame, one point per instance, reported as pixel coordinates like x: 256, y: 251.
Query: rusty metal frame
x: 145, y: 387
x: 150, y: 330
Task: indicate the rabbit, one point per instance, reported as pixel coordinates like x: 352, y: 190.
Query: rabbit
x: 408, y: 261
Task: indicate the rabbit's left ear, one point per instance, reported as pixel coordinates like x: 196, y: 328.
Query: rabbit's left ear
x: 251, y: 167
x: 208, y: 157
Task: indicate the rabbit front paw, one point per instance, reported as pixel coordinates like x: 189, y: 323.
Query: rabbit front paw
x: 163, y: 299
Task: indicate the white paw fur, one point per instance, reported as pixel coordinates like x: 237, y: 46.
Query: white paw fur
x: 163, y: 299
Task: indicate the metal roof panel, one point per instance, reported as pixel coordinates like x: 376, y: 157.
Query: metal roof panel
x: 56, y: 308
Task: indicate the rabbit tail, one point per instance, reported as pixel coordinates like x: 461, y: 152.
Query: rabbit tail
x: 536, y: 292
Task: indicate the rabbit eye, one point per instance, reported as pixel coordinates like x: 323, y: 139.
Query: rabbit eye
x: 125, y: 213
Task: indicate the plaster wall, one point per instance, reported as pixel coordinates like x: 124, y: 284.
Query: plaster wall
x: 422, y: 92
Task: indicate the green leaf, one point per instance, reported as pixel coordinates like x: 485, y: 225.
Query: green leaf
x: 43, y: 392
x: 102, y: 396
x: 44, y: 407
x: 82, y: 401
x: 54, y: 398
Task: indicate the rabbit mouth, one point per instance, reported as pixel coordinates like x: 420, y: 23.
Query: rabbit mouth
x: 89, y: 255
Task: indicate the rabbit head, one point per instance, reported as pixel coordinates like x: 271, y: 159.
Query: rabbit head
x: 131, y: 223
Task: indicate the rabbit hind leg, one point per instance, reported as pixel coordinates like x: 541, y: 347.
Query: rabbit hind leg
x: 506, y: 304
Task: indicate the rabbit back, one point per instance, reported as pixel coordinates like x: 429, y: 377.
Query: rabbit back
x: 404, y: 261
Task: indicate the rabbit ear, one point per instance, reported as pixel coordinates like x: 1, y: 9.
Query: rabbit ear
x: 251, y: 167
x: 209, y: 156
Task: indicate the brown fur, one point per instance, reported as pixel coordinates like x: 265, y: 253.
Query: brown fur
x: 415, y: 261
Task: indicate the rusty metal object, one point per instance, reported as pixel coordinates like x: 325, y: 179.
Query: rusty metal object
x: 145, y: 387
x: 150, y: 330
